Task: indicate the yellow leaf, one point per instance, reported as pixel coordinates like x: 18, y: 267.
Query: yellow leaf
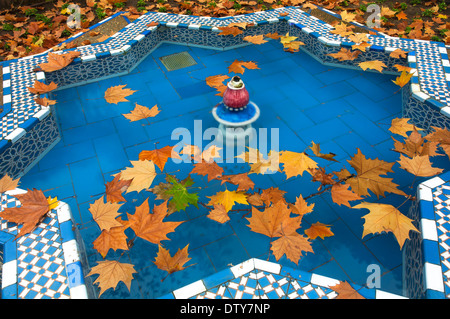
x: 400, y: 126
x: 403, y: 79
x: 141, y: 175
x: 386, y: 218
x: 419, y: 166
x: 227, y: 199
x: 52, y: 202
x: 296, y: 163
x: 111, y: 272
x: 104, y: 214
x: 116, y: 94
x: 375, y: 65
x: 142, y: 112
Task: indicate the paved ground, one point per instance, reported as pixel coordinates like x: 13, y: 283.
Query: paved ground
x: 341, y: 109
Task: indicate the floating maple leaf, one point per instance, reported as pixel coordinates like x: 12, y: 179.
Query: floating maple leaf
x: 177, y: 192
x: 403, y: 79
x: 346, y: 291
x: 301, y: 207
x: 173, y: 263
x: 45, y: 101
x: 141, y: 175
x: 219, y: 214
x: 419, y: 166
x: 111, y: 272
x: 159, y: 156
x: 7, y: 183
x: 369, y: 176
x: 386, y: 218
x: 142, y: 112
x: 316, y: 150
x: 116, y: 94
x: 104, y: 214
x: 240, y: 66
x: 293, y: 246
x: 228, y: 199
x: 242, y: 180
x: 296, y: 163
x: 319, y: 230
x: 34, y: 207
x: 152, y: 227
x: 441, y: 136
x: 272, y: 195
x: 212, y: 170
x: 113, y: 239
x: 341, y: 195
x: 115, y: 188
x: 401, y: 126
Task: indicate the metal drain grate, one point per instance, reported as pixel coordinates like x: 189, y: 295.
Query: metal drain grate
x: 177, y: 61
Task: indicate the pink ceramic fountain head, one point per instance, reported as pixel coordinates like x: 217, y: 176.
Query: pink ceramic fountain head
x: 236, y: 96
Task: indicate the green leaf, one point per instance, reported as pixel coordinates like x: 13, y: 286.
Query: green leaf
x: 177, y: 192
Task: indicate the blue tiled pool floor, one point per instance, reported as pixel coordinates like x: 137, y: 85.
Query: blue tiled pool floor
x: 342, y: 109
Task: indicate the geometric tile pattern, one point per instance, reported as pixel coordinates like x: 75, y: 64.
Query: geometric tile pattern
x: 260, y: 279
x: 45, y: 263
x: 123, y: 51
x: 433, y: 215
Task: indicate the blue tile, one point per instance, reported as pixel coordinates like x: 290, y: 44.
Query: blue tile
x: 328, y: 110
x: 70, y: 114
x: 130, y: 133
x: 56, y: 177
x: 336, y: 75
x: 323, y: 131
x: 110, y: 152
x: 89, y: 91
x: 98, y: 109
x: 366, y: 106
x: 370, y: 89
x: 365, y: 128
x: 87, y: 179
x: 67, y: 154
x: 226, y: 251
x: 89, y: 131
x: 334, y: 91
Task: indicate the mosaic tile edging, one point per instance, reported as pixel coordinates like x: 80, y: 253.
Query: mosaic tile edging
x: 89, y: 52
x: 29, y: 262
x: 434, y: 220
x: 261, y: 279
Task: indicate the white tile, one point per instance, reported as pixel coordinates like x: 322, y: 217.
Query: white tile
x: 70, y: 250
x: 428, y: 229
x: 424, y: 193
x: 380, y: 294
x: 433, y: 277
x: 42, y: 113
x: 190, y: 290
x: 9, y: 273
x: 15, y: 135
x: 434, y: 182
x: 446, y: 111
x: 88, y: 58
x: 40, y: 75
x: 421, y: 96
x: 243, y: 268
x: 7, y: 99
x: 78, y: 292
x: 323, y: 281
x: 267, y: 266
x: 63, y: 212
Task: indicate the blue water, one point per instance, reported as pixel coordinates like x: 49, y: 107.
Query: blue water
x: 341, y: 109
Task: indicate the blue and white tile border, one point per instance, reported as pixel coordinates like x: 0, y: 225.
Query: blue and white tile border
x: 433, y: 197
x: 426, y: 101
x: 47, y: 263
x: 261, y: 279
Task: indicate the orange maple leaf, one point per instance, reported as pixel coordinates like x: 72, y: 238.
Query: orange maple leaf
x: 116, y: 94
x: 255, y: 39
x: 33, y: 209
x: 113, y: 239
x: 173, y: 263
x: 58, y: 61
x: 319, y: 230
x: 111, y: 272
x: 152, y: 227
x: 341, y: 195
x: 142, y: 112
x: 242, y: 180
x: 230, y: 30
x: 7, y: 183
x: 419, y: 166
x: 375, y: 65
x: 239, y: 66
x: 115, y: 188
x: 345, y: 55
x: 210, y: 169
x: 219, y: 214
x: 293, y: 246
x: 42, y: 88
x: 346, y: 291
x: 104, y: 214
x: 159, y: 156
